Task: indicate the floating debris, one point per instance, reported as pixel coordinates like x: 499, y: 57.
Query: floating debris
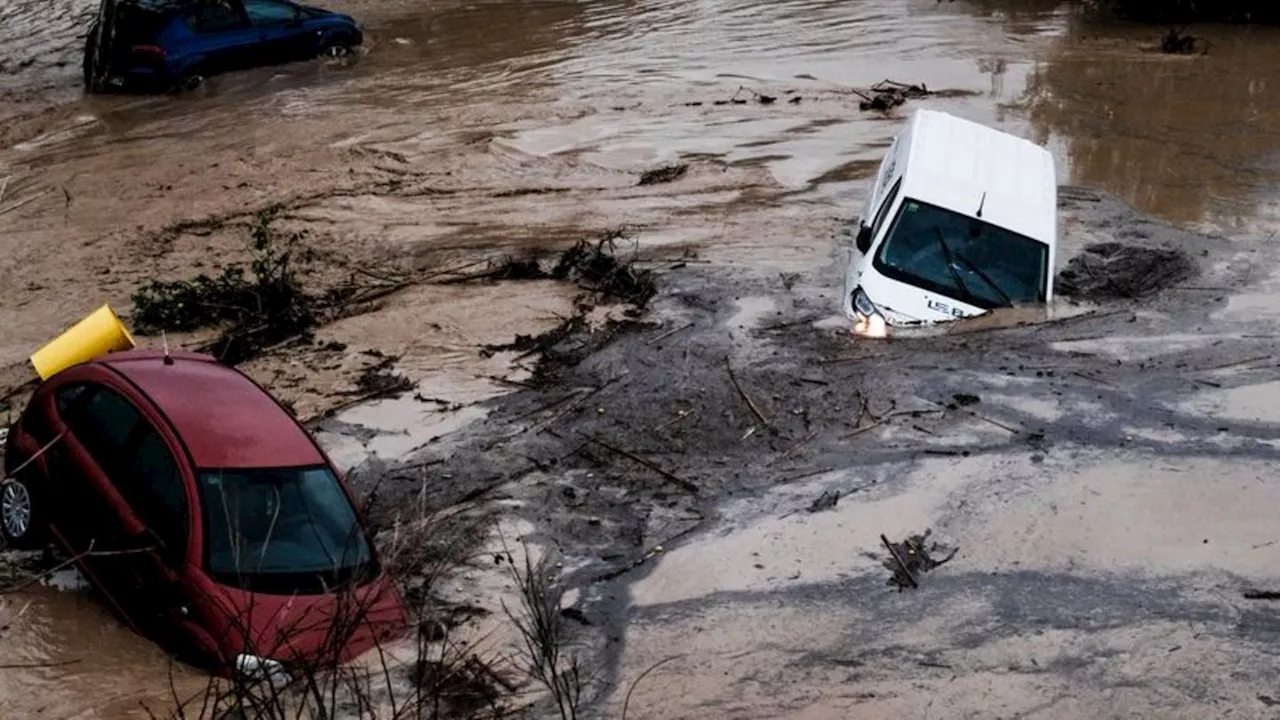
x: 888, y: 94
x: 1113, y: 271
x: 381, y: 380
x: 825, y: 501
x: 1175, y: 43
x: 913, y: 556
x: 664, y: 174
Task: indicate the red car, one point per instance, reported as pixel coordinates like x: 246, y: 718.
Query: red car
x: 204, y: 513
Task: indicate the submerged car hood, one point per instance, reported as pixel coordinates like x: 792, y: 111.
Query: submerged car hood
x: 304, y: 629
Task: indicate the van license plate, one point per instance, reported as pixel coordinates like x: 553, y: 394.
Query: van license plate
x: 944, y: 308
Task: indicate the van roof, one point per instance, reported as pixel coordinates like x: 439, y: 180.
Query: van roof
x: 952, y: 162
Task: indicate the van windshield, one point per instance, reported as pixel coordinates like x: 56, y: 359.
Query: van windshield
x: 963, y: 257
x: 281, y: 530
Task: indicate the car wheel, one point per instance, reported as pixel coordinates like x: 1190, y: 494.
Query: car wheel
x: 335, y: 50
x: 20, y: 518
x: 189, y: 82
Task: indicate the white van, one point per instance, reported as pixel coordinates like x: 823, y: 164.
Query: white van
x: 962, y: 219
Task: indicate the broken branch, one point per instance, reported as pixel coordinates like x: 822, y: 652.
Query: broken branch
x: 690, y: 487
x: 750, y: 403
x: 669, y: 333
x: 902, y: 564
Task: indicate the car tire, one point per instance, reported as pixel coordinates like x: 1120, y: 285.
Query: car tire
x: 189, y: 82
x: 21, y: 514
x: 335, y: 50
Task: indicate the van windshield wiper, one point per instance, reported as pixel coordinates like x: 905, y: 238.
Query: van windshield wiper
x: 1008, y: 301
x: 950, y: 261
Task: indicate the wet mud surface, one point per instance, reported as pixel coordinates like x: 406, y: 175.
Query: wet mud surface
x: 1107, y: 490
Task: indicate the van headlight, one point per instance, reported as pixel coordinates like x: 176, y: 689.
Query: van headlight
x: 870, y: 322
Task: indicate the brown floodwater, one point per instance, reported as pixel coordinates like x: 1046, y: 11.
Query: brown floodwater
x: 523, y: 124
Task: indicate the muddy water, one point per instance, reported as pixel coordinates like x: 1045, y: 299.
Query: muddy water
x: 524, y: 124
x: 782, y: 616
x: 80, y: 662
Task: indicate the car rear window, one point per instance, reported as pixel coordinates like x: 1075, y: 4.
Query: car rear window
x: 213, y: 17
x: 139, y: 25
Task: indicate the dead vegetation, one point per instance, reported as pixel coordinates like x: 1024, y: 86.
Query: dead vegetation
x: 607, y: 278
x: 889, y: 94
x: 1114, y: 271
x: 440, y: 670
x: 912, y: 557
x: 664, y: 174
x: 593, y: 265
x: 380, y: 380
x: 883, y: 96
x: 546, y: 655
x: 255, y: 306
x: 1176, y: 43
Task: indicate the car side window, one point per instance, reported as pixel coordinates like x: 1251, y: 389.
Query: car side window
x: 884, y: 208
x: 70, y: 398
x: 270, y: 12
x: 105, y: 427
x: 214, y: 17
x: 153, y: 486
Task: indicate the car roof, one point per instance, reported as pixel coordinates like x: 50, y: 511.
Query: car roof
x: 224, y: 418
x: 952, y: 162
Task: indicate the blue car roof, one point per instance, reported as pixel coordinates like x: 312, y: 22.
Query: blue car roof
x: 165, y: 6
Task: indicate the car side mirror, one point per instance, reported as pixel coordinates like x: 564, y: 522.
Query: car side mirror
x: 863, y: 241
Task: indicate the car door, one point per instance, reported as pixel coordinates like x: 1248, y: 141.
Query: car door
x: 223, y: 38
x: 281, y: 30
x: 154, y: 481
x: 88, y: 513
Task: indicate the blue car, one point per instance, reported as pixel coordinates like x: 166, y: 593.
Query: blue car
x: 175, y: 44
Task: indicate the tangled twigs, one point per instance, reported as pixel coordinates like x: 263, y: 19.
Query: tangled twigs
x: 664, y: 174
x: 259, y: 306
x: 911, y: 557
x: 888, y: 94
x: 688, y: 486
x: 1110, y: 270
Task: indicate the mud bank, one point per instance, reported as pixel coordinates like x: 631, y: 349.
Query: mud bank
x: 1107, y: 491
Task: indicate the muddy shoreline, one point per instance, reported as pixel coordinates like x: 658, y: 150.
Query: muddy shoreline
x: 650, y: 444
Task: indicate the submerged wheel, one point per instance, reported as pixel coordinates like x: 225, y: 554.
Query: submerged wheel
x: 20, y: 515
x: 189, y: 82
x: 336, y: 49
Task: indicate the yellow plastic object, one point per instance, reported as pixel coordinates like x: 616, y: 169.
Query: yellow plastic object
x: 98, y: 334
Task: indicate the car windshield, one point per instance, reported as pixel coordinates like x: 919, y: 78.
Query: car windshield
x: 281, y: 530
x: 963, y: 257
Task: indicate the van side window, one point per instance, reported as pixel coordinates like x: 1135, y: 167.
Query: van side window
x: 887, y: 164
x: 884, y: 208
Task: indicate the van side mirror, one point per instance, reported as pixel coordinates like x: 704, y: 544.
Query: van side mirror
x: 863, y: 241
